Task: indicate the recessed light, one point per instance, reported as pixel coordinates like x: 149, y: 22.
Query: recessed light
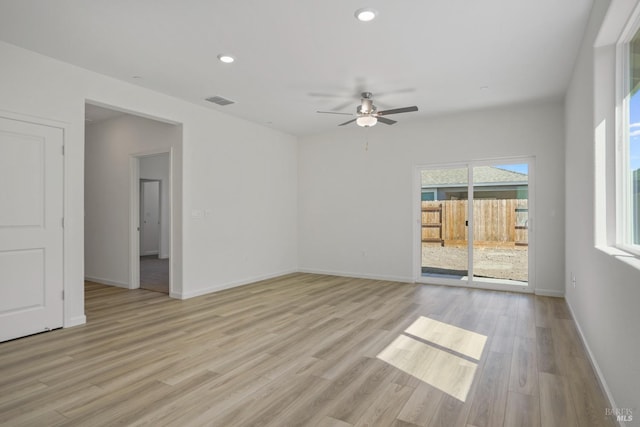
x: 365, y: 15
x: 227, y: 59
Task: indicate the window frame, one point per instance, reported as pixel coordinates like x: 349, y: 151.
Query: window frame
x: 623, y: 173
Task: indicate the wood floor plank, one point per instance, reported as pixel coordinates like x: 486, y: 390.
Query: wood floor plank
x: 362, y: 392
x: 588, y: 401
x: 385, y: 408
x: 525, y: 323
x: 305, y: 350
x: 332, y: 422
x: 523, y: 410
x: 546, y: 354
x: 421, y: 405
x: 556, y: 406
x: 490, y: 398
x: 450, y: 413
x: 524, y: 367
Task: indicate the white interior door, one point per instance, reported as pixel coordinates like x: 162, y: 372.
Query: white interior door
x: 31, y: 239
x: 150, y: 217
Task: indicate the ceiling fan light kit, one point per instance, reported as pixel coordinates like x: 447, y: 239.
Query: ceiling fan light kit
x: 366, y: 121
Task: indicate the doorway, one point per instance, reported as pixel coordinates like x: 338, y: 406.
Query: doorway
x: 475, y: 222
x: 118, y: 146
x: 154, y: 207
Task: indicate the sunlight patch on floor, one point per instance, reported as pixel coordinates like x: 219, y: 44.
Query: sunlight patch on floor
x: 439, y: 368
x: 457, y: 339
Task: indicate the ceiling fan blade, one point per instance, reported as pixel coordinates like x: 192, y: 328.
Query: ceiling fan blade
x: 397, y: 110
x: 343, y: 105
x: 346, y: 123
x: 386, y: 121
x: 334, y: 112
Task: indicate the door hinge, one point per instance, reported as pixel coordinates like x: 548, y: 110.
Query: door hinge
x: 62, y: 222
x: 63, y: 295
x: 63, y: 149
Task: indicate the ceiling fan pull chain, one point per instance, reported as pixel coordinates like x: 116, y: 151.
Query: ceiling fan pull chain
x: 366, y: 136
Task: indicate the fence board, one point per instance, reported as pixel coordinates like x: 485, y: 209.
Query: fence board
x: 500, y: 221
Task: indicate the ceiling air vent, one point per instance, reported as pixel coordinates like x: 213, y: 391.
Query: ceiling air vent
x: 220, y: 100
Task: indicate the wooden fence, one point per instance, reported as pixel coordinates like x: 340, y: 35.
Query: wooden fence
x: 497, y: 222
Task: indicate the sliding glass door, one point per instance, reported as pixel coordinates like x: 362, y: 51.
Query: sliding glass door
x: 474, y: 224
x: 500, y: 251
x: 444, y: 232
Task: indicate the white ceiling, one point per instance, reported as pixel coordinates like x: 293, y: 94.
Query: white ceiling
x: 294, y: 57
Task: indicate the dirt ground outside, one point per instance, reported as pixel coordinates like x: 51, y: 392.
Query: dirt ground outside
x: 497, y: 263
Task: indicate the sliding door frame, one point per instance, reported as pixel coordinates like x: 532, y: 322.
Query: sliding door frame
x: 470, y: 281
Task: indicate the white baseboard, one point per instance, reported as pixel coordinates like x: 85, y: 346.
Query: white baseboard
x: 403, y: 279
x: 75, y: 321
x: 549, y: 293
x: 594, y: 363
x: 229, y: 285
x: 103, y: 281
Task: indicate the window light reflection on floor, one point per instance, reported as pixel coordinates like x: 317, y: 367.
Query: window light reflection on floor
x: 434, y: 352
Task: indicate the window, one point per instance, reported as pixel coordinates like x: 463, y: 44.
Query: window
x: 628, y: 161
x: 428, y: 195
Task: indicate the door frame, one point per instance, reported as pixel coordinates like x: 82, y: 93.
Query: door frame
x: 417, y: 225
x: 134, y: 216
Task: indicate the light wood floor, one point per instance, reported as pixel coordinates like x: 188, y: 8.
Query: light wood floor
x: 306, y: 350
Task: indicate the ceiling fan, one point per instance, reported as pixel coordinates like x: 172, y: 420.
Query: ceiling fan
x: 368, y: 114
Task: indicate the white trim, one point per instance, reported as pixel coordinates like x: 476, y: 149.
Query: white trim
x: 594, y: 363
x: 134, y: 222
x: 621, y: 255
x: 487, y: 286
x: 549, y: 293
x: 229, y: 285
x: 623, y: 173
x: 132, y: 112
x: 616, y: 18
x: 402, y: 279
x: 108, y: 282
x: 75, y: 321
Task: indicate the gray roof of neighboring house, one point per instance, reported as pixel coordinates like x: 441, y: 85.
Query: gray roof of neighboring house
x: 481, y: 175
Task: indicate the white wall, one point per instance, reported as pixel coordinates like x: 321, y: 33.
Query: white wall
x: 355, y: 205
x: 606, y: 299
x: 108, y: 150
x: 244, y: 173
x: 157, y: 168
